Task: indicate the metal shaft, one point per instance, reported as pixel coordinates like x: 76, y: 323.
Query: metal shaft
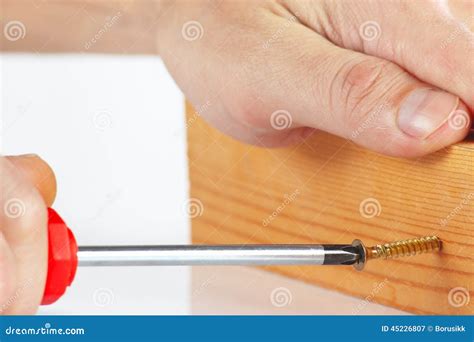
x: 355, y: 254
x: 180, y: 255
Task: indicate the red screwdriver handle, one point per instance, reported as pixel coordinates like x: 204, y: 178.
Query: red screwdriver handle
x: 62, y: 258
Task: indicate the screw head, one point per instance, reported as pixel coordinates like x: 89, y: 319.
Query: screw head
x: 359, y: 265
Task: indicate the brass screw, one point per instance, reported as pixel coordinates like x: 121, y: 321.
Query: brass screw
x: 397, y: 249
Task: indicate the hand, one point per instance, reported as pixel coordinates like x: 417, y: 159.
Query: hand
x: 27, y: 186
x: 393, y: 76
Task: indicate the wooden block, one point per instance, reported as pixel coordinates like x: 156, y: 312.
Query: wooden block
x: 322, y: 191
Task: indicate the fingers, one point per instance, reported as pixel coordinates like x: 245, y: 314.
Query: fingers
x: 429, y: 39
x: 38, y: 173
x: 363, y: 98
x: 23, y: 225
x: 382, y: 107
x: 277, y: 78
x: 438, y: 50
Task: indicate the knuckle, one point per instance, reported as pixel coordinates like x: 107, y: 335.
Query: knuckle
x: 251, y: 113
x: 359, y: 79
x: 363, y: 87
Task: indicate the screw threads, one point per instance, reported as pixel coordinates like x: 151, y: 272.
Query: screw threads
x: 404, y: 248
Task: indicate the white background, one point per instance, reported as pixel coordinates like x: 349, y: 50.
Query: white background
x: 112, y: 127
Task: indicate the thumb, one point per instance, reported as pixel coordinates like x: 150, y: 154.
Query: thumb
x: 38, y: 173
x: 369, y: 100
x: 380, y: 106
x: 23, y: 231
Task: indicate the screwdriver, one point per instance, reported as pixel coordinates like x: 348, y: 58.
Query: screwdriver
x: 64, y: 256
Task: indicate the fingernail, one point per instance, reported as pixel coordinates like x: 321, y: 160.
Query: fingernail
x: 424, y: 111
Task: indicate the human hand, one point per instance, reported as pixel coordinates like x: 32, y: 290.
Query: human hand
x: 27, y: 186
x: 393, y: 76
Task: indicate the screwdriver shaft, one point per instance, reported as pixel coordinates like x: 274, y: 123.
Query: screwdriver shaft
x: 180, y: 255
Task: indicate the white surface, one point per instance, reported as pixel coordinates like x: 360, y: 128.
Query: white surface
x: 113, y: 130
x: 251, y: 291
x: 109, y: 127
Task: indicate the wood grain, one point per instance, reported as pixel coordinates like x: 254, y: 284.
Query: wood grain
x: 313, y: 192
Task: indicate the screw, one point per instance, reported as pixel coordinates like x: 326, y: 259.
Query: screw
x: 396, y: 249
